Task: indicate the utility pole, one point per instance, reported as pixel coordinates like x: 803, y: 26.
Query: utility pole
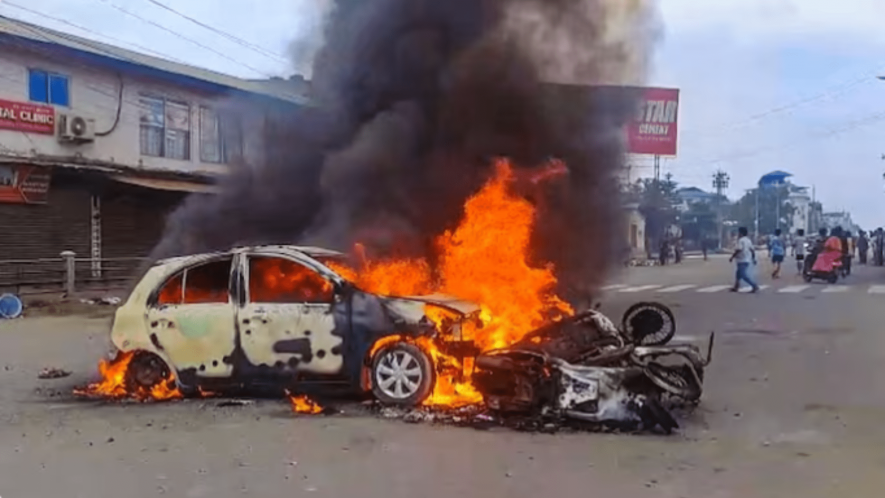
x: 720, y: 183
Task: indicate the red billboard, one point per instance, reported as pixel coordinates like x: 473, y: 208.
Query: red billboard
x: 29, y: 118
x: 654, y: 128
x: 24, y: 184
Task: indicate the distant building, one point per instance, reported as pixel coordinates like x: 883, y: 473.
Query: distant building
x: 800, y: 199
x: 839, y: 219
x: 692, y: 195
x: 635, y: 231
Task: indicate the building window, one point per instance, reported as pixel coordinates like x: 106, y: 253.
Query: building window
x: 221, y: 136
x: 164, y: 128
x: 48, y: 88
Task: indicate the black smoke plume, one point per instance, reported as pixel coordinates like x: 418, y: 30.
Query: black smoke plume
x: 412, y: 101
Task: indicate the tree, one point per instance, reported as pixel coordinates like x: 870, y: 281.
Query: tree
x: 699, y: 223
x: 656, y: 202
x: 744, y: 210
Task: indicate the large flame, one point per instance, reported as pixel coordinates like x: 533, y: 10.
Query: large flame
x: 484, y: 260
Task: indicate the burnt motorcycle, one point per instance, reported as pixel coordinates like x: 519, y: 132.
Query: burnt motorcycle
x: 586, y: 368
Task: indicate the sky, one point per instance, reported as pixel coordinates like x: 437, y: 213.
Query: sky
x: 765, y: 84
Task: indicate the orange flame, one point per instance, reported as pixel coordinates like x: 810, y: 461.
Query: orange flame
x: 484, y: 260
x: 115, y: 383
x: 303, y: 404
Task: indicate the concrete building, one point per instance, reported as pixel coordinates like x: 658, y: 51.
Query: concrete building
x: 98, y: 144
x: 692, y: 195
x: 800, y: 200
x: 635, y: 230
x: 839, y: 219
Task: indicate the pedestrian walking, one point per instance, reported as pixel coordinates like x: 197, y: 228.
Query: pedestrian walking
x: 665, y: 251
x: 799, y: 250
x: 848, y: 249
x: 743, y: 256
x: 880, y: 250
x: 863, y: 245
x: 776, y: 250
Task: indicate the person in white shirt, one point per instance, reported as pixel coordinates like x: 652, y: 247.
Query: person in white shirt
x: 799, y: 250
x: 744, y: 254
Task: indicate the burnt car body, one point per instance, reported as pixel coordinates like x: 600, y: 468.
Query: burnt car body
x: 276, y: 316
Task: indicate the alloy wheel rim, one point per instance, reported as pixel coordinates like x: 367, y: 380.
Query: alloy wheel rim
x: 399, y: 374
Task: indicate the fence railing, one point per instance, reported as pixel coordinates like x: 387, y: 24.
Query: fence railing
x: 67, y: 274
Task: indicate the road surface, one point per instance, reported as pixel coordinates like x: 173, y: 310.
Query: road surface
x: 794, y: 406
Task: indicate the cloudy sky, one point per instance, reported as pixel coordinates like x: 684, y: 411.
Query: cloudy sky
x: 766, y: 84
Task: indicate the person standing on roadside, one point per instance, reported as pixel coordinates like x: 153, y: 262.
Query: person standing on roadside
x: 799, y: 250
x: 744, y: 255
x: 848, y: 249
x: 879, y: 251
x: 777, y: 250
x: 863, y: 245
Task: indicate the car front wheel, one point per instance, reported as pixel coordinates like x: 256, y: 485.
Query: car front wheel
x: 402, y: 374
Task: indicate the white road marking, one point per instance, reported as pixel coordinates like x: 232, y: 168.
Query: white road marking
x: 835, y: 289
x: 613, y: 287
x: 715, y: 288
x: 877, y: 289
x: 640, y: 288
x: 794, y: 289
x: 676, y: 288
x: 761, y: 287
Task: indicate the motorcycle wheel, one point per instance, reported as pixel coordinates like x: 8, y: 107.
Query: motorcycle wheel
x: 833, y: 278
x: 649, y: 324
x: 675, y: 380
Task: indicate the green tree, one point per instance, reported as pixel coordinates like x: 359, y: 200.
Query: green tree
x: 699, y: 223
x: 744, y: 210
x: 657, y: 199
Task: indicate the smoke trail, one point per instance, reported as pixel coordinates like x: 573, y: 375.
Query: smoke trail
x: 414, y: 98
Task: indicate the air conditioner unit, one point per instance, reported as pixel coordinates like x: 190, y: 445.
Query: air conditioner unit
x: 75, y: 129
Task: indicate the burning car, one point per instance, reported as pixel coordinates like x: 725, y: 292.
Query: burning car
x: 274, y: 316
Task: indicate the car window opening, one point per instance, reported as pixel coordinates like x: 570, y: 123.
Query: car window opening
x: 278, y: 280
x: 204, y: 284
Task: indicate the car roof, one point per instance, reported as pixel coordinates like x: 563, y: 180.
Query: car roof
x: 313, y: 252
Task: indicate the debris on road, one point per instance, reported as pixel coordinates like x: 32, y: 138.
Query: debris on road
x: 104, y: 301
x: 236, y: 402
x: 52, y: 373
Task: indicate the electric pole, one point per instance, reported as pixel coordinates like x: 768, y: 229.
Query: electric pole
x: 720, y: 183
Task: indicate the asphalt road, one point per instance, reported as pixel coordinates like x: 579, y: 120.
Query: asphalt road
x: 794, y: 406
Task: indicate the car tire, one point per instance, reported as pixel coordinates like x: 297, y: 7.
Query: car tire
x: 402, y: 374
x: 146, y: 370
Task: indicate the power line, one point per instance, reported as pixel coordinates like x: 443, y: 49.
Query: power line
x: 87, y: 30
x: 191, y: 40
x: 834, y: 91
x: 819, y: 136
x: 225, y: 34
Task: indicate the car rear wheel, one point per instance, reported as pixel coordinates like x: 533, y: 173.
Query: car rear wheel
x: 146, y: 370
x: 402, y: 374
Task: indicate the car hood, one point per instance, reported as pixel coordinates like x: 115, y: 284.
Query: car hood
x: 411, y: 308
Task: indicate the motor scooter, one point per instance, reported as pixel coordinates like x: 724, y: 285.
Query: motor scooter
x: 830, y: 276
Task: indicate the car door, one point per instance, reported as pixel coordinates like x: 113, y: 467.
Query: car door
x: 191, y: 318
x: 286, y: 322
